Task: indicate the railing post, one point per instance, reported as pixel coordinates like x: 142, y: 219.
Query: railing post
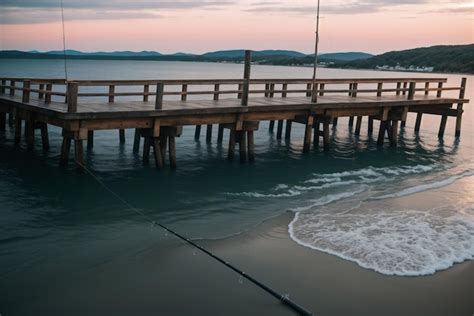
x: 379, y: 89
x: 111, y: 94
x: 427, y: 87
x: 284, y: 87
x: 462, y: 93
x: 246, y: 87
x: 354, y: 88
x: 26, y: 91
x: 399, y: 86
x: 72, y: 91
x: 146, y: 90
x: 321, y: 89
x: 216, y: 90
x: 184, y: 92
x: 439, y: 92
x: 405, y: 84
x: 2, y: 88
x: 411, y: 90
x: 12, y: 88
x: 160, y: 88
x: 41, y: 94
x: 47, y: 95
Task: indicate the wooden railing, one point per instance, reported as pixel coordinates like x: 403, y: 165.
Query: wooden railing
x: 71, y: 90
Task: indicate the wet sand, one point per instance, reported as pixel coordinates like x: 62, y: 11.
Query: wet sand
x: 166, y: 277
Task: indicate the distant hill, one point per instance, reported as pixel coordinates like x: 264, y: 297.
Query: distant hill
x: 349, y: 56
x: 240, y: 53
x: 455, y: 58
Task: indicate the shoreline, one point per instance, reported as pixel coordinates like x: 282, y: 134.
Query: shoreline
x: 240, y: 63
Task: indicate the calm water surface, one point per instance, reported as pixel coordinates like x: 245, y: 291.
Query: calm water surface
x: 405, y: 211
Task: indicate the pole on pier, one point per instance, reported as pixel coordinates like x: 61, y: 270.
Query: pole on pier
x: 160, y: 87
x: 462, y: 92
x: 314, y: 95
x: 72, y: 91
x: 246, y: 86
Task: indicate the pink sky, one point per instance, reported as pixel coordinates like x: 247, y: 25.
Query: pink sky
x: 197, y: 26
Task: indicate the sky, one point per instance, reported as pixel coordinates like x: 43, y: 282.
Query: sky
x: 198, y: 26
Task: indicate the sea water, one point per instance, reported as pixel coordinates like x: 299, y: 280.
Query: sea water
x: 406, y: 210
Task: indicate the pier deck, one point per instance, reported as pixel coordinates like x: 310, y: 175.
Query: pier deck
x: 158, y: 109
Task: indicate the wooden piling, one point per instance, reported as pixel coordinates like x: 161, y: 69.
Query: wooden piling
x: 17, y: 130
x: 136, y: 140
x: 209, y: 133
x: 157, y: 153
x: 197, y: 132
x: 280, y: 129
x: 271, y: 126
x: 251, y: 145
x: 232, y: 139
x: 172, y: 151
x: 220, y: 134
x: 65, y: 149
x: 358, y: 126
x: 288, y: 129
x: 90, y: 139
x: 393, y: 133
x: 242, y: 136
x: 307, y: 134
x: 419, y: 116
x: 44, y: 135
x: 122, y: 136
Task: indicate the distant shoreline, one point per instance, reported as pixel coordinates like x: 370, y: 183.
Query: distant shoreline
x: 234, y: 63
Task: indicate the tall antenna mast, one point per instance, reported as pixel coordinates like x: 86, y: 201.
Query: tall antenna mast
x: 314, y: 94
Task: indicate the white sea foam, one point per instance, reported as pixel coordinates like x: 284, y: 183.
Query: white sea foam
x: 403, y: 242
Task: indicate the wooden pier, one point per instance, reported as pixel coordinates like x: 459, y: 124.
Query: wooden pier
x: 158, y: 109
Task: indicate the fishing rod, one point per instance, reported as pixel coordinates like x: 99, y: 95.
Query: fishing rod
x: 284, y: 299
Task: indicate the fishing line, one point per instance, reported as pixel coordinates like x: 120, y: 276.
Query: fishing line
x: 283, y: 298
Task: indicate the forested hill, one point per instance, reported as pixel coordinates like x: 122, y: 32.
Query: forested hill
x: 458, y: 58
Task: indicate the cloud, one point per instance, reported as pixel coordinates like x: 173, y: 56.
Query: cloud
x: 346, y: 8
x: 42, y: 11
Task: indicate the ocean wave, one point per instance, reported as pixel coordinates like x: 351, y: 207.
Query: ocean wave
x: 403, y: 243
x: 338, y: 180
x: 427, y: 186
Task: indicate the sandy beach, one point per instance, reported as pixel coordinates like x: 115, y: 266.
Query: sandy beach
x: 166, y: 277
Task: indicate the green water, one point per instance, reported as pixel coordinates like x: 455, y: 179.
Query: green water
x: 57, y: 223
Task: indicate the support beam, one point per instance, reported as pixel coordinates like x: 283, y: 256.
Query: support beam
x: 17, y: 130
x: 242, y: 137
x: 351, y: 121
x: 79, y: 152
x: 289, y: 123
x: 251, y: 146
x: 90, y: 140
x: 358, y: 125
x: 172, y: 151
x: 157, y: 153
x: 459, y: 107
x: 370, y: 127
x: 326, y: 134
x: 442, y: 126
x: 382, y: 131
x: 232, y: 139
x: 394, y: 133
x: 65, y: 150
x: 307, y: 134
x: 419, y: 116
x: 280, y: 129
x: 209, y: 133
x: 3, y: 121
x: 272, y: 126
x: 44, y: 135
x: 122, y: 136
x: 220, y: 134
x: 197, y: 132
